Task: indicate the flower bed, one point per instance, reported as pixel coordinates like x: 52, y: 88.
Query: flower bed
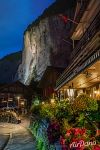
x: 39, y: 131
x: 72, y: 124
x: 78, y: 139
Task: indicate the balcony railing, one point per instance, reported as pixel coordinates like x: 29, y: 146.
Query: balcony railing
x: 89, y: 34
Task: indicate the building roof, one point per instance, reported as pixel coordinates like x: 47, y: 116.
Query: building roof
x: 2, y: 86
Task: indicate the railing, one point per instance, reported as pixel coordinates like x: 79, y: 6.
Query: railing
x: 90, y: 32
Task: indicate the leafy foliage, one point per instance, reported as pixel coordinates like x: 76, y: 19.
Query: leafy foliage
x: 70, y: 121
x: 84, y: 103
x: 62, y: 110
x: 47, y: 111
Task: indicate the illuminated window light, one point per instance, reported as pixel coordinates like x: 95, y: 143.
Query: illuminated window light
x: 10, y: 100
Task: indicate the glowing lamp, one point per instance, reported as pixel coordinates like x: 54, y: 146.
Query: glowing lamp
x: 22, y: 103
x: 43, y: 103
x: 52, y: 101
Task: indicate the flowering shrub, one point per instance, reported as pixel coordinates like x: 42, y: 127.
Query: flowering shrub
x: 53, y: 131
x: 84, y: 103
x: 63, y: 117
x: 78, y: 139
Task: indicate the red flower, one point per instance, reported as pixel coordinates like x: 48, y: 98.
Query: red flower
x: 77, y: 131
x: 83, y: 131
x: 62, y: 140
x: 68, y: 133
x: 96, y: 147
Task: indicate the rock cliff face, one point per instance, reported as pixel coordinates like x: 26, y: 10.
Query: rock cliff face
x: 9, y: 66
x: 45, y: 45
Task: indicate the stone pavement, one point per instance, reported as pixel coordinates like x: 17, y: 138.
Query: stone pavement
x: 20, y: 138
x: 3, y: 140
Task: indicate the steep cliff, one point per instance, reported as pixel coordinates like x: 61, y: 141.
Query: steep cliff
x: 9, y: 66
x: 44, y: 45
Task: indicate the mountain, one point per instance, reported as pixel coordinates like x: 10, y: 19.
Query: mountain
x: 58, y: 7
x: 44, y: 42
x: 8, y: 67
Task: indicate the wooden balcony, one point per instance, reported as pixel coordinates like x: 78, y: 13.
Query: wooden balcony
x: 88, y: 47
x: 82, y: 9
x: 88, y: 35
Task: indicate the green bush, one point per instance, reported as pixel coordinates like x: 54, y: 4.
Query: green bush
x: 48, y: 111
x: 84, y: 103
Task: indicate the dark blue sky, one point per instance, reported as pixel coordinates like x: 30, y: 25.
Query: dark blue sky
x: 15, y: 16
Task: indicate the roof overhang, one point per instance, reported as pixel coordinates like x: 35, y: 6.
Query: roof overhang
x: 80, y: 72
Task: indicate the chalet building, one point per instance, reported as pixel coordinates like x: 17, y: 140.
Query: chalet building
x: 83, y: 73
x: 14, y: 95
x: 48, y: 81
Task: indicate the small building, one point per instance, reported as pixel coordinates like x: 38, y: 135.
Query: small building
x: 14, y: 95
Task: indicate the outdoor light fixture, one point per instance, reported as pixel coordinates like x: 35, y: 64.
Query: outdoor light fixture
x: 10, y: 100
x: 18, y: 100
x: 97, y: 92
x: 22, y: 103
x: 18, y: 97
x: 43, y: 103
x: 52, y: 101
x: 4, y: 101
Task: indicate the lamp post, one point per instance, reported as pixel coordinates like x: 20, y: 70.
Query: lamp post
x: 18, y: 101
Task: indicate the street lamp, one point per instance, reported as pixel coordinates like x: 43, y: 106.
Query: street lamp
x: 18, y: 100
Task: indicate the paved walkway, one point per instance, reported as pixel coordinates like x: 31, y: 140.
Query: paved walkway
x: 20, y: 138
x: 3, y: 140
